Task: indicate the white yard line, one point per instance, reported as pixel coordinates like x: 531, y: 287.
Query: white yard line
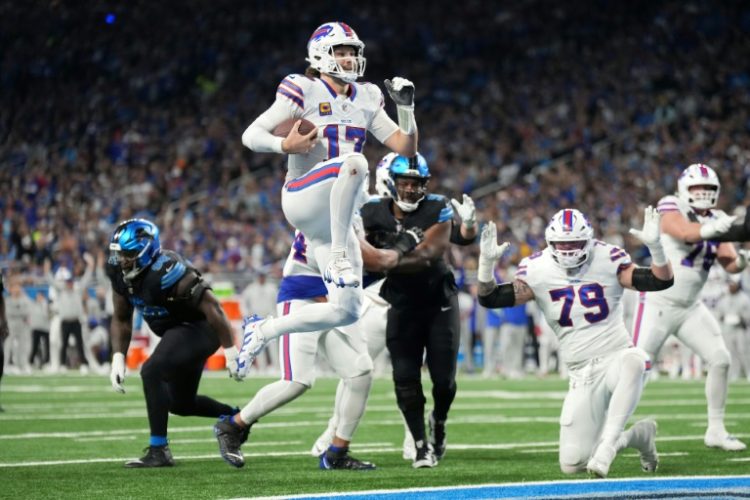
x: 364, y: 448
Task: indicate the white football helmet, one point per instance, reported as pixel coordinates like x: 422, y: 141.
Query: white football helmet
x: 572, y: 229
x: 320, y: 50
x: 699, y: 174
x: 383, y: 182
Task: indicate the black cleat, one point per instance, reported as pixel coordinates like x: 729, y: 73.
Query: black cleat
x: 330, y: 460
x: 156, y: 456
x: 230, y: 437
x: 425, y: 456
x: 437, y: 437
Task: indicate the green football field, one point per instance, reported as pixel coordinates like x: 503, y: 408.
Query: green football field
x: 68, y: 437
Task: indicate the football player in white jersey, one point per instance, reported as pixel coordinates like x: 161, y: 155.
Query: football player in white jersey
x: 689, y: 226
x: 326, y: 168
x: 578, y: 283
x: 344, y: 348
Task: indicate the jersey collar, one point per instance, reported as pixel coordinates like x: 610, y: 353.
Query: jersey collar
x: 351, y: 90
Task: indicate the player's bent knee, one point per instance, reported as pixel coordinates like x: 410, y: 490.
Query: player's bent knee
x: 572, y: 459
x: 363, y: 364
x: 151, y: 369
x: 409, y: 395
x: 635, y: 363
x: 571, y: 469
x: 344, y: 316
x: 354, y: 164
x: 719, y: 357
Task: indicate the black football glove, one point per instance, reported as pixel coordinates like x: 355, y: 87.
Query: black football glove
x: 407, y: 239
x: 401, y: 91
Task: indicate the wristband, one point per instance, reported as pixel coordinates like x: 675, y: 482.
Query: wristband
x: 484, y: 270
x: 658, y: 258
x: 406, y: 120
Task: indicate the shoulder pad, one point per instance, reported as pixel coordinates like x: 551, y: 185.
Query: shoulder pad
x: 668, y: 203
x: 293, y: 88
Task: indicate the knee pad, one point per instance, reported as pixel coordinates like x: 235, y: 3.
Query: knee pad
x: 363, y: 364
x: 444, y: 387
x: 635, y: 361
x: 572, y: 460
x: 354, y: 164
x: 409, y: 395
x: 359, y: 383
x: 345, y: 316
x: 151, y: 369
x: 719, y: 357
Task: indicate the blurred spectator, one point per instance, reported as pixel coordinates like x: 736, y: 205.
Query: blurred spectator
x: 39, y: 322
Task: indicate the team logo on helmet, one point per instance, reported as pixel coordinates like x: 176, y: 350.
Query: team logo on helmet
x: 570, y: 238
x: 699, y: 186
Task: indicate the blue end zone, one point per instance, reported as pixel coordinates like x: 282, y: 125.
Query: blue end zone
x: 662, y: 488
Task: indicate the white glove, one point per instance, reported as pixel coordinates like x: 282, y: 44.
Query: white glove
x: 650, y: 235
x: 466, y: 211
x: 231, y: 355
x: 743, y: 257
x: 717, y: 226
x: 117, y: 373
x: 489, y: 253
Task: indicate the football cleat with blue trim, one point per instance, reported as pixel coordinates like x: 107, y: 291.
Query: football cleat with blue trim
x: 341, y: 273
x: 341, y: 460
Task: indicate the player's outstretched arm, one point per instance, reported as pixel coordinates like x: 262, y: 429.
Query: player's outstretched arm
x: 676, y: 225
x: 659, y: 276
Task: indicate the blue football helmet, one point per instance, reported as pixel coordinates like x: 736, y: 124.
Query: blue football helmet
x: 401, y: 167
x: 135, y: 245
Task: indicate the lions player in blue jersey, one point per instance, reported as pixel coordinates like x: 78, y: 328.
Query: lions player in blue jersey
x: 181, y: 309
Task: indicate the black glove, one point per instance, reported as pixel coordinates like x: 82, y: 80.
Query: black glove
x: 401, y: 91
x: 407, y: 239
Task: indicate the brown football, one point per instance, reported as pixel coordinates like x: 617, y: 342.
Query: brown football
x: 283, y: 128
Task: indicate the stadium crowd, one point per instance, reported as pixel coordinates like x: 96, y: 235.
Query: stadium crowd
x: 530, y: 108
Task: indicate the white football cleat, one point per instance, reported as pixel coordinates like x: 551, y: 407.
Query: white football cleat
x: 253, y: 342
x: 723, y: 440
x: 324, y: 440
x: 409, y: 451
x: 599, y: 463
x: 341, y: 273
x: 643, y: 438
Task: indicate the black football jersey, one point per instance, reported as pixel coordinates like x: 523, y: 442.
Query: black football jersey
x: 153, y: 291
x: 426, y: 288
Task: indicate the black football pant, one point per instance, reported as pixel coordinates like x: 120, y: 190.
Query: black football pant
x: 172, y: 374
x: 433, y: 334
x: 39, y: 337
x: 68, y: 328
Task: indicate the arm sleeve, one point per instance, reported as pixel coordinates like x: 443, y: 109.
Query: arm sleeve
x: 501, y: 296
x: 457, y: 238
x: 645, y: 281
x: 258, y: 136
x: 738, y: 232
